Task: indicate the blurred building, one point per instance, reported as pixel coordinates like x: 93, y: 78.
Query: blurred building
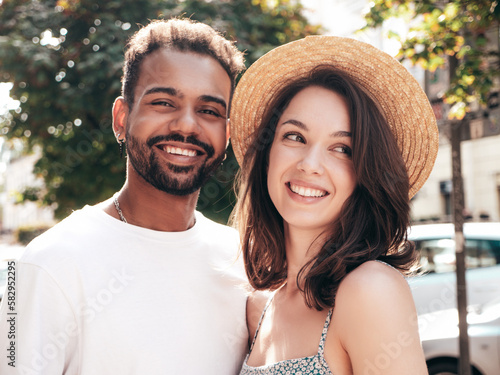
x: 480, y: 171
x: 18, y: 174
x: 480, y: 134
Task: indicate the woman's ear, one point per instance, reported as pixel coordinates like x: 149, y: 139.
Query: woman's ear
x: 228, y: 131
x: 120, y: 116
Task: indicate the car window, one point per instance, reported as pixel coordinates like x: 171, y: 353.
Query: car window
x: 495, y: 248
x: 438, y: 255
x: 479, y: 253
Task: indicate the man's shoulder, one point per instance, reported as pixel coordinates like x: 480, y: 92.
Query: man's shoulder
x: 69, y: 235
x: 217, y: 229
x: 221, y: 241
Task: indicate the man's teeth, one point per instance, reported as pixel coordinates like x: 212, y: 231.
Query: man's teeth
x: 180, y: 151
x: 307, y: 192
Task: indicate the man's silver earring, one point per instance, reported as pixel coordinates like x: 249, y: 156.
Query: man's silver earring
x: 121, y: 143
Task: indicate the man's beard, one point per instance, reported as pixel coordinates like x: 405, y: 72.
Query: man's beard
x: 161, y: 174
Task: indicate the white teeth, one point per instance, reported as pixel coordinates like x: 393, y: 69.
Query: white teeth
x: 307, y: 192
x: 179, y: 151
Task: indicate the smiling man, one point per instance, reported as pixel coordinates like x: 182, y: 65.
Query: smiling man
x: 142, y: 283
x: 176, y: 134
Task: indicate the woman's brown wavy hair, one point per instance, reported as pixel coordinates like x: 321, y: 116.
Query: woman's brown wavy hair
x: 373, y: 220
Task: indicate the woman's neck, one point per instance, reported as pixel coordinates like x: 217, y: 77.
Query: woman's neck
x: 301, y: 246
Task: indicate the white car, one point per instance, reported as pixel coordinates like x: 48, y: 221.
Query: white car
x: 440, y: 340
x: 436, y: 289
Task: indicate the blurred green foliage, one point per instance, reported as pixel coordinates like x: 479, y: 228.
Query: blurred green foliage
x: 454, y: 30
x: 25, y: 234
x: 64, y: 59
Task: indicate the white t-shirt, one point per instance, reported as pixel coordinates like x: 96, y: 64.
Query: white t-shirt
x: 97, y: 296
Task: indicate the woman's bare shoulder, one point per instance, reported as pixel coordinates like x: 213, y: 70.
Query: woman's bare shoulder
x: 374, y: 308
x: 374, y: 273
x: 375, y: 286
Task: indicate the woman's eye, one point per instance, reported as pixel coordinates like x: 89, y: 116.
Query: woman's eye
x: 294, y: 137
x: 344, y: 150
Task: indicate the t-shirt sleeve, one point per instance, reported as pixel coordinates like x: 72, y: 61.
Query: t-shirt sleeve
x: 40, y: 335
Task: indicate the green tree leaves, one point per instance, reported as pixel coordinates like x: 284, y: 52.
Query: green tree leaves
x: 64, y: 59
x: 458, y: 29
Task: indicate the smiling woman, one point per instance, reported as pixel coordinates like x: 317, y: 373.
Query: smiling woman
x: 324, y: 129
x: 311, y: 173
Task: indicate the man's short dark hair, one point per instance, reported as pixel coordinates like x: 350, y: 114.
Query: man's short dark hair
x: 183, y: 35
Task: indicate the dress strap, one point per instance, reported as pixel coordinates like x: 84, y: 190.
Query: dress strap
x: 387, y: 264
x: 260, y: 321
x: 321, y: 347
x: 394, y: 268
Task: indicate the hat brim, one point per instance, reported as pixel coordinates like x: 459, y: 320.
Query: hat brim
x: 399, y: 96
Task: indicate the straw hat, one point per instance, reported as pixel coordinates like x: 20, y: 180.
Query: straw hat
x: 400, y: 97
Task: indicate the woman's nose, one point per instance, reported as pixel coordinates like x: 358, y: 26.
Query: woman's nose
x: 311, y: 161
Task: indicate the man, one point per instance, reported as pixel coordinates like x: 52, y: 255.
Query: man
x: 141, y: 283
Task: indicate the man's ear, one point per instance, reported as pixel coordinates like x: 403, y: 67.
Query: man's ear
x: 120, y: 116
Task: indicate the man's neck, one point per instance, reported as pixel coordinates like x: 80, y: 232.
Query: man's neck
x: 145, y: 206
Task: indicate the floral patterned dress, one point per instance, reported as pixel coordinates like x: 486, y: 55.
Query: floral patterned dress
x: 315, y: 364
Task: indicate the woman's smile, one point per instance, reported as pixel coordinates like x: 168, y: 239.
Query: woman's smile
x: 305, y: 191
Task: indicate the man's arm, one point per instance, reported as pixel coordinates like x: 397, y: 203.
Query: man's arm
x: 38, y: 329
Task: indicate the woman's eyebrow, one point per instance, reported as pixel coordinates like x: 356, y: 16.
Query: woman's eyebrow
x: 297, y: 123
x: 301, y: 125
x: 341, y: 134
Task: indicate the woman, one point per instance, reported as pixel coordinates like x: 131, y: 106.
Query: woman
x: 334, y: 137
